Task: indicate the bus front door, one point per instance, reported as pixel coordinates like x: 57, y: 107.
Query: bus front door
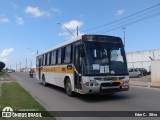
x: 78, y: 67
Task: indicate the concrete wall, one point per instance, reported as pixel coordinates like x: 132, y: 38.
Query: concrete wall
x: 155, y: 71
x: 142, y: 59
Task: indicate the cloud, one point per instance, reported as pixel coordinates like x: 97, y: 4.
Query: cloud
x: 6, y: 52
x: 3, y: 60
x: 36, y: 12
x: 72, y: 25
x: 19, y: 20
x: 4, y: 20
x: 120, y: 12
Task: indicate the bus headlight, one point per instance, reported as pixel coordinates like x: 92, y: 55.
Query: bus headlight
x: 87, y: 84
x: 125, y: 85
x: 91, y: 84
x: 126, y: 82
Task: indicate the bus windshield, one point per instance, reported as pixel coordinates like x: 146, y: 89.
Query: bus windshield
x: 105, y: 58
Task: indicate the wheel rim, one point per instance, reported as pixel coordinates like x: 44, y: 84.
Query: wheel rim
x: 68, y: 87
x: 43, y: 81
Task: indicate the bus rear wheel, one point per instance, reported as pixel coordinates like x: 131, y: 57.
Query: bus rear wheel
x: 44, y: 81
x: 68, y: 87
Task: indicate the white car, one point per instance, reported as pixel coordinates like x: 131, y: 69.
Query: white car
x: 133, y: 72
x: 10, y: 71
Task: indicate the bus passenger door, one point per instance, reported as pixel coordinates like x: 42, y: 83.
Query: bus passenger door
x: 39, y: 68
x: 78, y: 67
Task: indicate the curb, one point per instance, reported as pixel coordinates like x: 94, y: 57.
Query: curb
x: 149, y: 86
x: 41, y: 103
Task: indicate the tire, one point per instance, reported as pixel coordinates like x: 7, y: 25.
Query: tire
x: 68, y: 87
x: 44, y: 81
x: 139, y: 76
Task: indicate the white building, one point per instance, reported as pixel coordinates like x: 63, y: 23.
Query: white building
x: 142, y: 59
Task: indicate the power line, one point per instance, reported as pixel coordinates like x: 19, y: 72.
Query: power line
x: 127, y: 24
x: 122, y: 18
x: 138, y: 17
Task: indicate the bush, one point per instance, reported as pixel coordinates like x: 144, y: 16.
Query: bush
x: 2, y: 65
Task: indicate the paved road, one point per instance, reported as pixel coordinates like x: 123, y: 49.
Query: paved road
x: 55, y: 99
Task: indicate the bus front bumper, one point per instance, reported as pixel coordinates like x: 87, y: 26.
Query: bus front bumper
x: 103, y: 90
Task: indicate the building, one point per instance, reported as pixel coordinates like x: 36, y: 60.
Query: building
x: 142, y: 59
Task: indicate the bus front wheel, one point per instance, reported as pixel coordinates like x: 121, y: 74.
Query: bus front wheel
x: 68, y: 87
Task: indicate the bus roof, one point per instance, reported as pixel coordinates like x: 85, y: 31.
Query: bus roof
x: 73, y: 39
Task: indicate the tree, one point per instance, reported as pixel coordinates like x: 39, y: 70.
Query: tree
x: 2, y: 65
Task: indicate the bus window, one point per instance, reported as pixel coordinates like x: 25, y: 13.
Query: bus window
x: 45, y: 62
x: 67, y: 54
x: 49, y: 58
x: 59, y: 56
x: 37, y: 61
x: 54, y: 57
x: 41, y: 59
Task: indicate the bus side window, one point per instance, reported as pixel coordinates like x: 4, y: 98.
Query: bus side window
x: 43, y: 63
x: 59, y: 56
x: 63, y: 55
x: 67, y: 54
x: 56, y: 57
x: 49, y: 58
x: 46, y: 59
x: 41, y: 59
x: 53, y: 60
x: 37, y: 61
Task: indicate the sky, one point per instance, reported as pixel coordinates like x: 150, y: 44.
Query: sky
x: 28, y: 26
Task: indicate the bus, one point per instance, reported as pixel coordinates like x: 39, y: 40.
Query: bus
x: 87, y: 64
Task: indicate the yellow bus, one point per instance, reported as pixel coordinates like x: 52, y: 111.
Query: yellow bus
x: 88, y: 64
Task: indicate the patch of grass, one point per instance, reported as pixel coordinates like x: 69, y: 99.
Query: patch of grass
x: 3, y: 74
x: 14, y: 96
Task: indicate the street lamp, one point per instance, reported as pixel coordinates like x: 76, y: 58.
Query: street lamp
x: 65, y: 28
